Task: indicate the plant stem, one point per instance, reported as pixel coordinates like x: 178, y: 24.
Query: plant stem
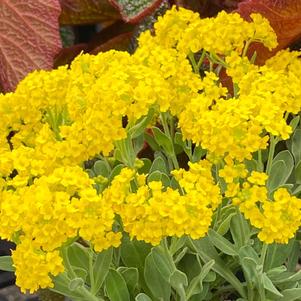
x: 200, y: 62
x: 193, y: 62
x: 167, y: 132
x: 273, y: 142
x: 259, y: 163
x: 91, y: 272
x: 263, y: 253
x: 88, y: 296
x: 246, y: 48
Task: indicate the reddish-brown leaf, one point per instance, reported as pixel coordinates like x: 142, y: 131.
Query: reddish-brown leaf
x: 29, y: 38
x: 134, y: 11
x: 120, y: 42
x: 284, y: 16
x: 67, y: 55
x: 116, y: 30
x: 207, y: 8
x: 76, y: 12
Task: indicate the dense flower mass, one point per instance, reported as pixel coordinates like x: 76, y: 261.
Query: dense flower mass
x: 57, y: 120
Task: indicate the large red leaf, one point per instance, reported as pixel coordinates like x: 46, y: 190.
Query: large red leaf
x: 29, y: 38
x: 134, y: 11
x: 75, y: 12
x: 284, y: 16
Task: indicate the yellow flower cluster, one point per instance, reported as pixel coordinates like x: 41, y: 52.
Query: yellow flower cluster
x: 33, y: 267
x: 239, y: 126
x: 44, y: 215
x: 278, y: 218
x: 56, y: 120
x: 219, y: 35
x: 152, y: 212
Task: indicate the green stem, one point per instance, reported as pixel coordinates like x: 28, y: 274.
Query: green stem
x: 260, y: 164
x: 250, y: 289
x: 217, y: 60
x: 193, y: 63
x: 88, y: 296
x: 67, y: 262
x: 167, y: 132
x: 82, y: 290
x: 200, y: 62
x: 226, y: 289
x: 263, y: 253
x: 91, y: 272
x: 246, y: 48
x: 273, y: 142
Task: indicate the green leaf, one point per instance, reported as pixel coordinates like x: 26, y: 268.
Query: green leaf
x: 198, y: 153
x: 296, y: 145
x: 141, y: 125
x: 268, y: 285
x: 294, y: 122
x: 163, y: 140
x: 78, y: 256
x: 158, y: 286
x: 278, y: 175
x: 142, y: 297
x: 158, y: 165
x: 277, y: 254
x: 159, y: 176
x: 210, y: 277
x: 196, y: 285
x: 298, y: 173
x: 118, y: 155
x: 207, y: 252
x: 164, y: 265
x: 178, y: 280
x: 251, y: 165
x: 61, y: 286
x: 131, y: 277
x: 115, y: 287
x: 133, y: 254
x: 240, y: 230
x: 147, y: 163
x: 177, y: 244
x: 178, y: 140
x: 249, y: 268
x: 275, y: 272
x: 76, y: 283
x: 190, y: 265
x: 138, y: 144
x: 101, y: 267
x: 290, y: 294
x: 288, y: 159
x: 297, y: 190
x: 221, y: 243
x: 248, y: 251
x: 151, y: 141
x: 293, y: 256
x: 90, y: 172
x: 180, y: 255
x: 6, y: 264
x: 81, y: 273
x: 116, y: 171
x: 224, y: 227
x: 285, y: 277
x: 101, y: 168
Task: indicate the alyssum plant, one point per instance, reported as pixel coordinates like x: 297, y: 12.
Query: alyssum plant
x: 212, y: 214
